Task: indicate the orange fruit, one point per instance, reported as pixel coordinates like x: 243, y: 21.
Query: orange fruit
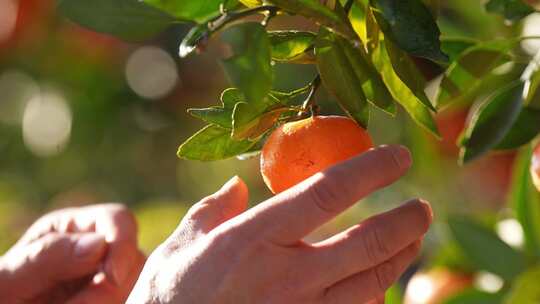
x: 436, y: 286
x: 298, y: 150
x: 535, y: 167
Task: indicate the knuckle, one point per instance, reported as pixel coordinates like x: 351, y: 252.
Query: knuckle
x: 386, y: 275
x: 198, y: 211
x: 325, y: 195
x: 374, y: 247
x: 224, y: 240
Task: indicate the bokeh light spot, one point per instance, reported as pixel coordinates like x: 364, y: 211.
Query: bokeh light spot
x: 531, y: 27
x: 151, y: 72
x: 421, y: 288
x: 47, y: 123
x: 488, y: 282
x: 511, y: 232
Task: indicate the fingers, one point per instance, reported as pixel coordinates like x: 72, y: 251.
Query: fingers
x: 104, y: 292
x: 370, y: 284
x: 118, y: 225
x: 228, y: 202
x: 293, y: 214
x: 55, y: 258
x: 370, y: 243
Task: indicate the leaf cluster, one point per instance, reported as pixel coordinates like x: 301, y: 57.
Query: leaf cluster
x: 367, y: 54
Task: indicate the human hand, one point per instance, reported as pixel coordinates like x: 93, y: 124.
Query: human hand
x: 221, y: 254
x: 74, y: 256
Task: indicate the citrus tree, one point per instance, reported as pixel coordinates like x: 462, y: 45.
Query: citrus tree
x: 371, y: 55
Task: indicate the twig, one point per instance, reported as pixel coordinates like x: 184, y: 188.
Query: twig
x: 309, y: 103
x: 219, y: 22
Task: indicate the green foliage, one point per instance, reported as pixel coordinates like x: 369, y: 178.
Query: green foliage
x: 525, y: 288
x: 456, y: 46
x: 485, y: 249
x: 492, y: 121
x: 393, y: 295
x: 212, y: 143
x: 348, y: 74
x: 523, y: 131
x: 525, y: 201
x: 333, y: 17
x: 473, y: 296
x: 249, y: 67
x: 468, y: 71
x: 197, y: 11
x: 366, y: 52
x: 410, y: 25
x: 512, y: 10
x: 292, y: 46
x: 127, y: 19
x: 402, y: 94
x: 221, y: 115
x: 408, y: 72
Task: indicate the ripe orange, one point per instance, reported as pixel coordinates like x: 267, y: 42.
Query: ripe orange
x: 535, y: 167
x: 436, y: 286
x: 297, y: 150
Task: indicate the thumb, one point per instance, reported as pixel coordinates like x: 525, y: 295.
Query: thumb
x: 228, y: 202
x: 55, y: 258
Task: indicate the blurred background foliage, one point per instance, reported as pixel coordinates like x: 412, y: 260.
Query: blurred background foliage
x: 86, y: 118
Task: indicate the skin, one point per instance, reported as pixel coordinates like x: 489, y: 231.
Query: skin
x: 74, y: 256
x: 223, y: 254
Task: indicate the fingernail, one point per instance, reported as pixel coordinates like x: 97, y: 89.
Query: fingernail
x: 402, y: 156
x: 88, y: 245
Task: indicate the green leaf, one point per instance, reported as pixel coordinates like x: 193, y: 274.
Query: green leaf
x: 409, y: 74
x: 189, y: 10
x: 410, y: 25
x: 525, y: 288
x: 473, y: 296
x: 251, y: 123
x: 249, y: 68
x: 531, y: 76
x: 351, y: 77
x: 127, y: 19
x: 512, y: 10
x: 212, y: 143
x: 454, y: 47
x: 292, y: 46
x: 402, y: 94
x: 485, y: 249
x: 467, y: 72
x: 373, y: 31
x: 193, y: 39
x: 491, y: 121
x: 332, y: 17
x: 526, y: 202
x: 394, y: 295
x: 525, y: 129
x: 221, y: 115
